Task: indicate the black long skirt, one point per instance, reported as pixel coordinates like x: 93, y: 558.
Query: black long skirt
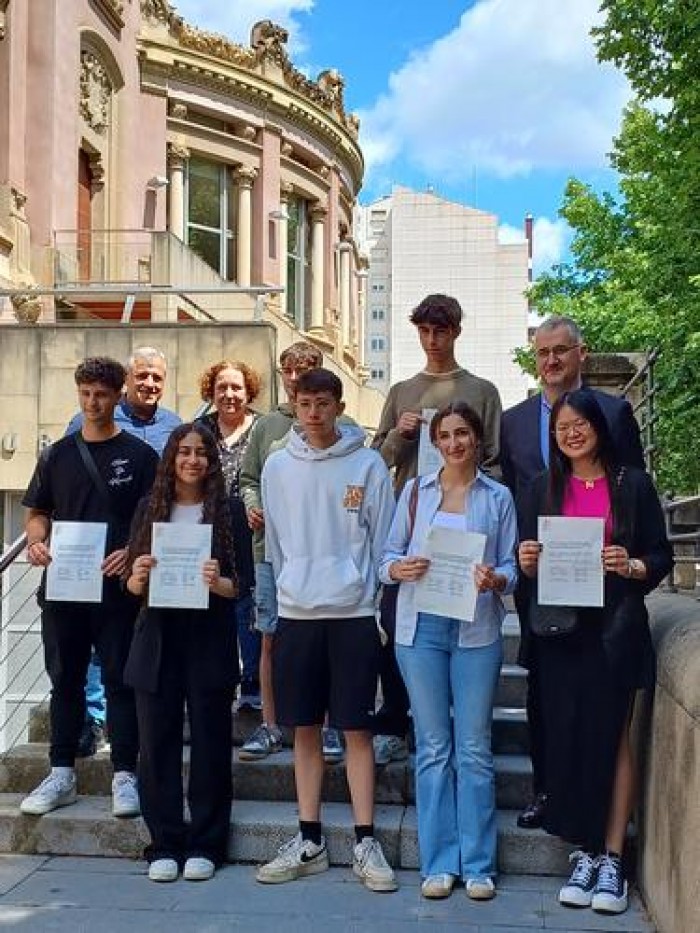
x: 585, y: 708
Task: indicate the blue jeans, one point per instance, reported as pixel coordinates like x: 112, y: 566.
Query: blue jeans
x: 248, y: 641
x: 455, y: 784
x: 265, y: 598
x: 95, y: 702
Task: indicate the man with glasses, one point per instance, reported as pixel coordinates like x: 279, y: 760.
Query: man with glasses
x: 524, y: 452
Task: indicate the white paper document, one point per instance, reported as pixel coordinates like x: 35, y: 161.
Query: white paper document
x: 180, y: 550
x: 429, y: 457
x: 75, y: 572
x: 570, y: 569
x: 448, y: 589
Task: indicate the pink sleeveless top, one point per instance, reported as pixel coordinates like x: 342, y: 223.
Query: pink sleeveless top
x: 586, y: 499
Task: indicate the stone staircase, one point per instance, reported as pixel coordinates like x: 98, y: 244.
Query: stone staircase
x: 264, y: 811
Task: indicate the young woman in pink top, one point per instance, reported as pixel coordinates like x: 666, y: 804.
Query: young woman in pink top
x: 589, y: 677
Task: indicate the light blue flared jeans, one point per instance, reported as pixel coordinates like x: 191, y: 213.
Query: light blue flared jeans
x: 455, y: 784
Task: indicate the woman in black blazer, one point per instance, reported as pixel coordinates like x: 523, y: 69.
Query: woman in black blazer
x: 589, y: 677
x: 185, y: 657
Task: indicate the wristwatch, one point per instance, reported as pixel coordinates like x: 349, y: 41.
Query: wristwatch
x: 635, y: 567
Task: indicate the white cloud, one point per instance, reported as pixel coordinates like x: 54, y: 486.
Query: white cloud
x: 235, y: 18
x: 550, y: 241
x: 515, y: 87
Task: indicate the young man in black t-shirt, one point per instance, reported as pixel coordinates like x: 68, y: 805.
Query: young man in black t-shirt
x: 62, y: 489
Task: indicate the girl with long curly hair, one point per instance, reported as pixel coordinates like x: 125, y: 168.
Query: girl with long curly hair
x: 185, y: 657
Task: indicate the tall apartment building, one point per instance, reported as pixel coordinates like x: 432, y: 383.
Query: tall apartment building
x: 420, y: 243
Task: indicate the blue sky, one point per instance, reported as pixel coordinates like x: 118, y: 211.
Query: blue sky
x: 493, y: 103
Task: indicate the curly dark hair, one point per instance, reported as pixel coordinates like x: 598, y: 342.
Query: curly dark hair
x: 100, y: 369
x: 158, y: 505
x: 251, y: 379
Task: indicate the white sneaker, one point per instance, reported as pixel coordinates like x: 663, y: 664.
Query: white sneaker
x: 480, y: 889
x: 56, y: 790
x: 198, y: 868
x: 389, y: 748
x: 370, y: 865
x: 437, y: 887
x: 163, y: 869
x: 295, y: 859
x: 125, y: 795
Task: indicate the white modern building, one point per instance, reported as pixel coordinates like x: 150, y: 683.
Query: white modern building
x: 420, y: 243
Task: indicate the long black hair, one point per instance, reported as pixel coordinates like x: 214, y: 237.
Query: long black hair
x: 585, y: 404
x: 158, y: 506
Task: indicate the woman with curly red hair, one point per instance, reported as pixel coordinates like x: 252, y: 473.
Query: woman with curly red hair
x: 231, y: 386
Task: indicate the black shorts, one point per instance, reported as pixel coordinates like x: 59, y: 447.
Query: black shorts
x: 321, y: 665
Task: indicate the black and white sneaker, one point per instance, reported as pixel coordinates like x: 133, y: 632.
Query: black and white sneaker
x: 578, y: 890
x: 610, y: 892
x: 295, y: 859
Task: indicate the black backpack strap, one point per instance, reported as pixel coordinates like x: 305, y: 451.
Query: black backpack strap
x: 93, y: 472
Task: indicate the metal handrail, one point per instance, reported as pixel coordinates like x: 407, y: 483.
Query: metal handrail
x: 14, y: 550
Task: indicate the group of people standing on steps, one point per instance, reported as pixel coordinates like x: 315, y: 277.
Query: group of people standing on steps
x: 307, y: 522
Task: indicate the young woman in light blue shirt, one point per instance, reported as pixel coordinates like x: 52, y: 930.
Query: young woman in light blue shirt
x: 452, y: 664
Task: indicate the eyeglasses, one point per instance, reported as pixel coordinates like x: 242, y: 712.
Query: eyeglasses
x: 557, y: 352
x: 580, y: 426
x: 294, y: 370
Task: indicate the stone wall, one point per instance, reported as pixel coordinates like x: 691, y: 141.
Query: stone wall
x: 38, y: 396
x: 667, y: 729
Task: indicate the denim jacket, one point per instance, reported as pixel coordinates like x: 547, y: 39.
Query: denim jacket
x: 489, y: 509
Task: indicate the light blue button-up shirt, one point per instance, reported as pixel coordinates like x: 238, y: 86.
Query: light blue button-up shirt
x: 488, y: 509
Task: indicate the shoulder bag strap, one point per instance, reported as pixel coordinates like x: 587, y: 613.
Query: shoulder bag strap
x: 413, y: 506
x: 94, y: 473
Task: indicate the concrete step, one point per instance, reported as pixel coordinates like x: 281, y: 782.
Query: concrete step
x: 509, y: 721
x: 511, y: 638
x: 512, y: 687
x: 272, y: 778
x: 257, y: 830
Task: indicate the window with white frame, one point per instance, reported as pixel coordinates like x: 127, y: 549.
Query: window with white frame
x: 299, y: 263
x: 377, y: 314
x: 212, y: 215
x: 377, y: 343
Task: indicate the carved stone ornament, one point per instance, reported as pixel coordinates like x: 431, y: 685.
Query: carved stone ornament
x: 95, y: 92
x: 270, y: 41
x: 245, y: 176
x: 217, y: 46
x: 286, y: 149
x: 249, y: 133
x: 159, y: 11
x: 179, y: 111
x: 27, y: 307
x: 17, y: 202
x: 3, y: 7
x: 177, y: 155
x: 113, y: 11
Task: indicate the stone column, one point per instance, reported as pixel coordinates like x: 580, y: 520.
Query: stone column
x: 345, y: 251
x: 245, y: 176
x: 286, y: 190
x: 362, y: 276
x: 318, y: 219
x: 177, y: 157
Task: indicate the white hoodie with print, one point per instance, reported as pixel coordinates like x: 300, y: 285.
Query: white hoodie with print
x: 327, y: 517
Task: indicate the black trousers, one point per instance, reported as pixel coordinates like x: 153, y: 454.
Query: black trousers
x: 210, y: 786
x: 392, y: 717
x: 536, y: 723
x: 69, y: 632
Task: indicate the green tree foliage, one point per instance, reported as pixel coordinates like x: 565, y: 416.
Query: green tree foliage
x: 634, y: 279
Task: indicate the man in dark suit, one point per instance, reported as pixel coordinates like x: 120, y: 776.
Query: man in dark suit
x: 524, y: 452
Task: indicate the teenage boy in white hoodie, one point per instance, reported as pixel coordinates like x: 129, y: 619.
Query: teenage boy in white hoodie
x: 328, y: 504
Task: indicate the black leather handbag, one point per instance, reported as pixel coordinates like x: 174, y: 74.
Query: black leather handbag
x: 550, y: 621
